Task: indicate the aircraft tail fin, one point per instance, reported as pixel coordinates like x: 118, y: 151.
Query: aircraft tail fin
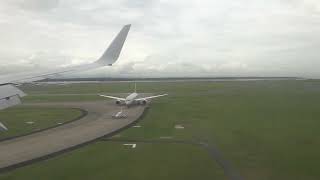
x: 112, y: 54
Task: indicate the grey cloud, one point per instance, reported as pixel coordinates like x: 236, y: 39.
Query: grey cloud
x: 36, y: 5
x: 168, y: 37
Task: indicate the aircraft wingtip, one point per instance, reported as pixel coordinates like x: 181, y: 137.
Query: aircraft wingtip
x: 112, y: 53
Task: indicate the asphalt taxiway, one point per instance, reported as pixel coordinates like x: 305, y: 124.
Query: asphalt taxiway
x: 97, y: 123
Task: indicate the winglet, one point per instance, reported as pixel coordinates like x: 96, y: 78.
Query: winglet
x: 111, y: 55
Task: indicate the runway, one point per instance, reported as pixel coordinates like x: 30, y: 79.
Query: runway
x: 98, y: 123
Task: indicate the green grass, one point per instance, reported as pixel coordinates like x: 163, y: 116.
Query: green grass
x: 256, y: 124
x: 109, y: 160
x: 267, y: 129
x: 15, y: 119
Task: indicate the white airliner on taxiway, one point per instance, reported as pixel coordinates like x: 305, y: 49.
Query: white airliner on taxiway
x: 10, y: 95
x: 132, y: 99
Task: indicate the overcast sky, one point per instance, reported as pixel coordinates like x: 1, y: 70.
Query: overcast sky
x: 167, y: 37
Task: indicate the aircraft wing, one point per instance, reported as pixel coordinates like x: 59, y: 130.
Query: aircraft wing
x: 110, y: 56
x: 112, y: 97
x: 10, y: 95
x: 150, y: 97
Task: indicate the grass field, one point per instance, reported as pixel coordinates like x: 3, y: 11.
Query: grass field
x: 266, y: 129
x: 104, y: 160
x: 18, y: 119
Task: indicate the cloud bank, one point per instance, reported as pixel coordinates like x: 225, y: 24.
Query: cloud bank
x: 168, y: 38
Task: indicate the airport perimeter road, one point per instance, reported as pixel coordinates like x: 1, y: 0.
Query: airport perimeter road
x: 97, y: 123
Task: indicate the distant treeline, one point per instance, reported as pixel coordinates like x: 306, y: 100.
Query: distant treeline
x: 169, y: 79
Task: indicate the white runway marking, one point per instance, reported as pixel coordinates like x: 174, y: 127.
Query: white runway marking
x: 133, y: 145
x: 137, y: 126
x: 178, y: 126
x: 30, y: 122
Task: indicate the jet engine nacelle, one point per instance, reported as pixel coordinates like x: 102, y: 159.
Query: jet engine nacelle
x: 118, y: 102
x: 143, y: 102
